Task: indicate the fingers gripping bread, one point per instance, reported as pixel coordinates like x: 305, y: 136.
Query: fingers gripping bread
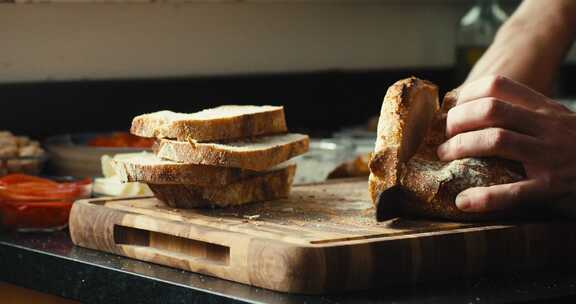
x: 406, y: 176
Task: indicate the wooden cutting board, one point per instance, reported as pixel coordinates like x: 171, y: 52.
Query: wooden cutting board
x: 323, y: 239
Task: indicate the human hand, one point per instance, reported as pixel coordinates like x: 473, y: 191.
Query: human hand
x: 496, y: 116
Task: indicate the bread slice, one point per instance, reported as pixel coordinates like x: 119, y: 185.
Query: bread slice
x: 256, y: 154
x: 221, y: 123
x: 407, y: 178
x: 148, y: 168
x: 268, y: 186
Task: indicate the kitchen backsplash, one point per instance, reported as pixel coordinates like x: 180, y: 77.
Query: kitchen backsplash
x: 66, y: 41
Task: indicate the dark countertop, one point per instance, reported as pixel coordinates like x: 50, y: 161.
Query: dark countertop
x: 51, y: 263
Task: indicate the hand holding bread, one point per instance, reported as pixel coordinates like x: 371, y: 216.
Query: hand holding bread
x: 493, y: 148
x: 407, y: 178
x: 496, y: 116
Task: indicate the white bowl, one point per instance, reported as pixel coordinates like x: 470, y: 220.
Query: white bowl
x: 69, y: 154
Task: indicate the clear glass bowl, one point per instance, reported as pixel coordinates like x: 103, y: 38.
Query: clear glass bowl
x: 322, y: 158
x: 34, y: 213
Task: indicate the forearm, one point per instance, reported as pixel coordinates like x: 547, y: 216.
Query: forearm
x: 532, y: 44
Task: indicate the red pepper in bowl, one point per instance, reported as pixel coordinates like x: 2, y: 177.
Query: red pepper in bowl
x: 30, y: 203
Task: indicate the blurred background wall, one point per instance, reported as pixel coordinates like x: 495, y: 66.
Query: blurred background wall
x: 68, y: 67
x: 94, y: 41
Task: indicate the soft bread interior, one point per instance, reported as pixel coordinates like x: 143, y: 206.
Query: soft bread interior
x: 221, y: 112
x: 423, y: 109
x: 257, y: 143
x: 227, y: 111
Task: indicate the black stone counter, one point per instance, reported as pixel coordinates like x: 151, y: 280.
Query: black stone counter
x: 51, y: 263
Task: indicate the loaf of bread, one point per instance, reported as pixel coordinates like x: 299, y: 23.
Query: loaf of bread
x: 267, y: 186
x: 407, y: 178
x: 257, y: 153
x: 216, y: 124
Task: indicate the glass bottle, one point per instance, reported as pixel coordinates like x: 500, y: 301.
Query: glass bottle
x: 476, y: 32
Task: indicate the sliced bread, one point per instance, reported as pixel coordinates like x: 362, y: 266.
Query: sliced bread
x: 256, y: 154
x: 221, y: 123
x: 269, y: 186
x: 148, y: 168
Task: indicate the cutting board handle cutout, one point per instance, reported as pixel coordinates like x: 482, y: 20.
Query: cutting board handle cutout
x: 171, y: 246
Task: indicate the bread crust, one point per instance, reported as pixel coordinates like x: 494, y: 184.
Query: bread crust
x: 271, y: 120
x: 268, y: 186
x: 166, y: 172
x: 419, y: 184
x: 226, y: 156
x: 389, y: 150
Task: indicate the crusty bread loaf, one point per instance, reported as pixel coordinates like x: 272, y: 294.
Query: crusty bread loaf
x: 256, y: 154
x: 268, y: 186
x: 407, y: 179
x: 148, y: 168
x: 221, y: 123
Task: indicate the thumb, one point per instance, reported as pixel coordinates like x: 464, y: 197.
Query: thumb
x: 498, y: 197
